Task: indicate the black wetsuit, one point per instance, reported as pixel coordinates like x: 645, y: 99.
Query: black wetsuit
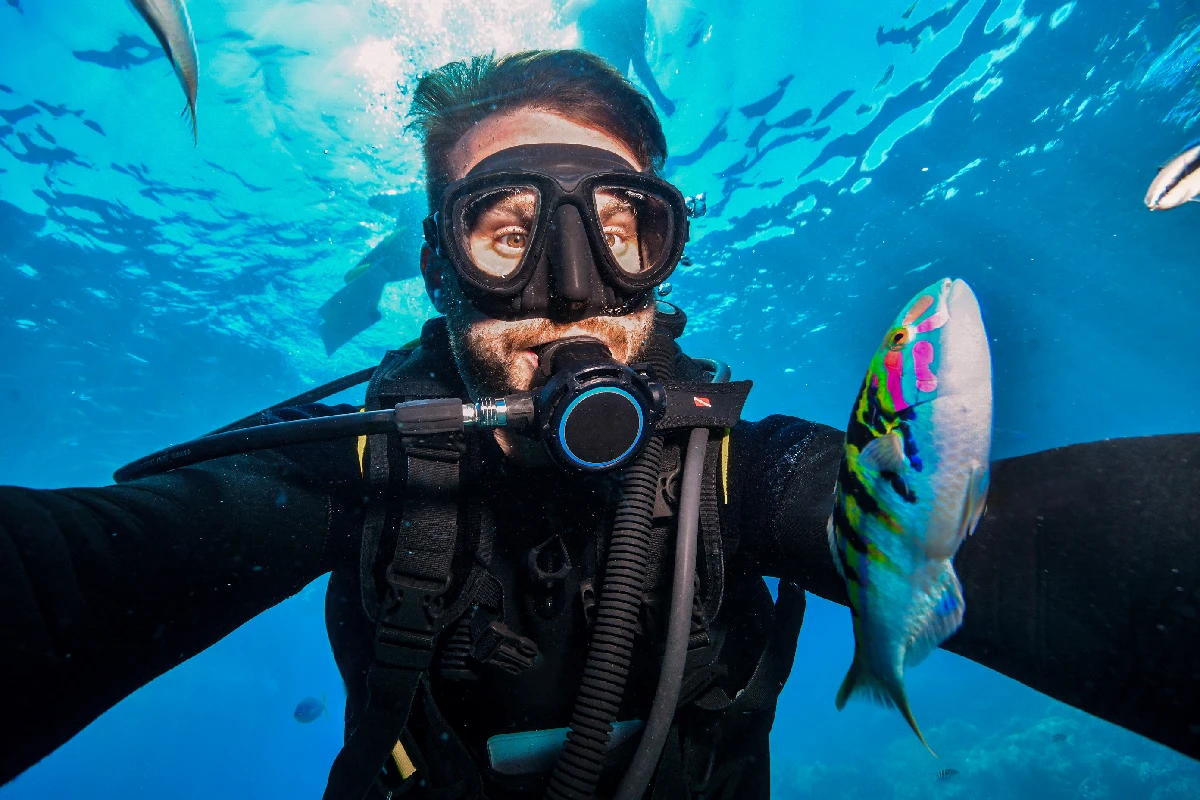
x: 1082, y: 580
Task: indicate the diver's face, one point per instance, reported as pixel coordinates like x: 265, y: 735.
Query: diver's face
x: 497, y: 357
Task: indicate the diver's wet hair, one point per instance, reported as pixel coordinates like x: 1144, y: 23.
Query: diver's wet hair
x: 574, y: 83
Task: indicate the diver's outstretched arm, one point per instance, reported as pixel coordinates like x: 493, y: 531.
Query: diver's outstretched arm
x: 102, y: 590
x: 1082, y: 580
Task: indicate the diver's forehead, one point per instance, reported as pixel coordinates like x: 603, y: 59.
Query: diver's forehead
x: 527, y: 126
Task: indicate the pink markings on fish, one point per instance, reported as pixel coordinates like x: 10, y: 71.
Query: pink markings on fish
x: 922, y: 358
x: 934, y: 322
x: 893, y: 362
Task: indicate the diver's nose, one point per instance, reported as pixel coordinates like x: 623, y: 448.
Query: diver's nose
x: 571, y: 263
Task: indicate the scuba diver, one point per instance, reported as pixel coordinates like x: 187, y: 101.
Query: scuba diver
x: 503, y: 519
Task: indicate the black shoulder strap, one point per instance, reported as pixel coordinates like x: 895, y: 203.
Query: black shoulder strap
x: 411, y: 612
x: 408, y: 623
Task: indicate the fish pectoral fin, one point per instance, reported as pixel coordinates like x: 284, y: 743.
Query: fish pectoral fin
x: 885, y: 454
x: 975, y: 501
x: 943, y: 617
x: 943, y: 546
x: 833, y: 547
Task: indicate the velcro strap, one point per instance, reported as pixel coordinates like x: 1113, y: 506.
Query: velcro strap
x: 425, y: 539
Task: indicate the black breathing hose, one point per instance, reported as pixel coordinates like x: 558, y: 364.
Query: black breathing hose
x: 602, y: 687
x: 606, y: 669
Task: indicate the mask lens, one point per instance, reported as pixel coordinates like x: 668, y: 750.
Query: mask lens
x: 494, y: 228
x: 637, y: 227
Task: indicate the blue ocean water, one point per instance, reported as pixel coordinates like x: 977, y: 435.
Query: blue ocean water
x: 852, y: 153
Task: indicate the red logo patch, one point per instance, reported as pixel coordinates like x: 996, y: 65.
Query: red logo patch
x: 702, y: 402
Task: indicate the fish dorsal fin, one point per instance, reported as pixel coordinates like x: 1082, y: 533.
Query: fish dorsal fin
x: 1194, y: 143
x: 885, y: 454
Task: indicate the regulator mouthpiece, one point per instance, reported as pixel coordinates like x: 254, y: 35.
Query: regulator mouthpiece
x: 594, y: 413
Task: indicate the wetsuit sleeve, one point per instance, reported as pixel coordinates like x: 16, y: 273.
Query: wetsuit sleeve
x: 1081, y: 581
x: 104, y: 589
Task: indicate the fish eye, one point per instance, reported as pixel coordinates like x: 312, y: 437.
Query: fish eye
x: 898, y: 337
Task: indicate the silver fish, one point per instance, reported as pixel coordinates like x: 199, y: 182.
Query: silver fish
x: 171, y: 24
x: 912, y: 483
x: 1178, y: 182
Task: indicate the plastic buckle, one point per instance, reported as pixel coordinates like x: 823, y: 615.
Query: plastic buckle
x: 408, y: 624
x: 505, y: 648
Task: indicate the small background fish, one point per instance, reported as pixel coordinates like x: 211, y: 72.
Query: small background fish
x: 911, y: 486
x: 1177, y: 182
x: 310, y: 709
x: 946, y: 774
x: 171, y: 24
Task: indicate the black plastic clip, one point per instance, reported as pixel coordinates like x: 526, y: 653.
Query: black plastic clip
x: 587, y: 596
x: 501, y: 646
x: 666, y: 494
x: 409, y: 621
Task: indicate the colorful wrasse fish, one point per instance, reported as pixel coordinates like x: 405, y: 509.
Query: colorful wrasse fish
x: 911, y: 486
x: 171, y: 24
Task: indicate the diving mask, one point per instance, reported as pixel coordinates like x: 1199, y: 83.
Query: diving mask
x: 558, y: 230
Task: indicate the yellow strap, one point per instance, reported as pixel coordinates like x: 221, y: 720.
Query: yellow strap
x: 725, y: 439
x: 362, y: 446
x: 403, y: 762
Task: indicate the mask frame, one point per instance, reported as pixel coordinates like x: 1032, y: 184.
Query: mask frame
x: 566, y: 243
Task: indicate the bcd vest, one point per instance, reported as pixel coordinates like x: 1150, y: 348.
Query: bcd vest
x: 427, y: 586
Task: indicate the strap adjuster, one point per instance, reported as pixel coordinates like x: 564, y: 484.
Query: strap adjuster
x: 396, y: 647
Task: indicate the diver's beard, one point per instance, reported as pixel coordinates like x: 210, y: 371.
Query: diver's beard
x: 492, y: 354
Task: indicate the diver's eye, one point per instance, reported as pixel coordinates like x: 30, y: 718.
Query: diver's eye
x: 898, y: 338
x: 514, y: 241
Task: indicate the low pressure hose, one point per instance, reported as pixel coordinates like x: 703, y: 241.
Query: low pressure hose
x: 602, y: 687
x: 679, y: 627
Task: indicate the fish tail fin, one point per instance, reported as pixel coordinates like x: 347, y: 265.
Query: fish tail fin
x: 850, y: 684
x: 189, y: 113
x: 862, y: 680
x: 912, y: 723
